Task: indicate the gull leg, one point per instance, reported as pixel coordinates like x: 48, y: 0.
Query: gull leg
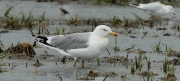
x: 82, y: 64
x: 74, y: 62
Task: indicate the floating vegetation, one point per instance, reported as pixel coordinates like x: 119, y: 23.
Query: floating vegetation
x: 167, y: 34
x: 161, y: 28
x: 2, y: 70
x: 46, y: 55
x: 4, y: 31
x: 175, y: 61
x: 169, y: 77
x: 64, y: 11
x: 117, y: 59
x: 58, y: 75
x: 13, y: 22
x: 147, y: 73
x: 37, y: 63
x: 92, y: 74
x: 89, y: 76
x: 133, y: 36
x: 23, y: 49
x: 124, y: 78
x: 132, y: 47
x: 73, y: 21
x: 141, y: 51
x: 64, y: 60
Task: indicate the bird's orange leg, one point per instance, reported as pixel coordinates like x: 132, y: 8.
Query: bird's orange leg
x: 82, y: 64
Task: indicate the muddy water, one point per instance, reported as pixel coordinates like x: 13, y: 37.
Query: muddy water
x: 52, y: 66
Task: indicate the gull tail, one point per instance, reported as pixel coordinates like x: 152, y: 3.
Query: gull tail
x: 134, y: 5
x: 42, y: 40
x: 45, y: 42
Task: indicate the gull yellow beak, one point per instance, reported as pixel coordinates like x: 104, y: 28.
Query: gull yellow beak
x: 113, y: 34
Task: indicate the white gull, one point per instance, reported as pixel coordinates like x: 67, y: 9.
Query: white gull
x: 155, y: 8
x: 84, y: 46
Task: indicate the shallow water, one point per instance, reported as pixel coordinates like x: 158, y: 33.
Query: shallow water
x: 49, y: 70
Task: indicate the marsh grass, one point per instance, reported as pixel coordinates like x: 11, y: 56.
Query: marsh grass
x: 132, y: 47
x: 115, y: 21
x: 167, y: 68
x: 172, y: 69
x: 165, y: 65
x: 28, y: 21
x: 168, y: 50
x: 1, y: 44
x: 73, y: 21
x: 4, y: 55
x: 8, y: 10
x: 43, y: 28
x: 126, y: 22
x: 43, y: 25
x: 157, y: 47
x: 132, y: 68
x: 148, y: 62
x: 138, y: 62
x: 137, y: 16
x: 11, y: 21
x: 141, y: 51
x: 124, y: 78
x: 98, y: 61
x: 43, y: 17
x: 60, y: 31
x: 148, y: 78
x: 116, y: 48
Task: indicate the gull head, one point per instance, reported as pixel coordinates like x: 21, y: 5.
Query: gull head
x: 171, y: 10
x: 104, y: 31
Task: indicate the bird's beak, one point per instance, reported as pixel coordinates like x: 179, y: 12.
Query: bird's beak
x: 113, y: 34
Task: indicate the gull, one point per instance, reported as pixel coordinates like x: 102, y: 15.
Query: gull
x: 155, y: 8
x: 84, y: 46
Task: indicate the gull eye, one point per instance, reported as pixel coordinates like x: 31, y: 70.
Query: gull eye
x: 104, y: 30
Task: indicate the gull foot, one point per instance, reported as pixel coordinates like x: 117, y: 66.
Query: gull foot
x: 74, y: 63
x: 82, y: 64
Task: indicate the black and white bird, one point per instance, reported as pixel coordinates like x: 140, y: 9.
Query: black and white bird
x: 84, y: 46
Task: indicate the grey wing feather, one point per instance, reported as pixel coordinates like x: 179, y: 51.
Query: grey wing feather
x: 152, y: 7
x: 71, y: 41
